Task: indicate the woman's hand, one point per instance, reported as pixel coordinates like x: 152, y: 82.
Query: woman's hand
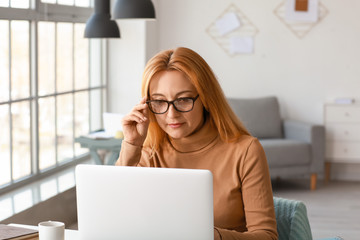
x: 136, y: 123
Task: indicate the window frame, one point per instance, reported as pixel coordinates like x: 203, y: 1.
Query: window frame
x: 37, y: 12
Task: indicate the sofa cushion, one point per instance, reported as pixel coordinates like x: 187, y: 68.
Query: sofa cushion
x: 286, y: 152
x: 261, y: 116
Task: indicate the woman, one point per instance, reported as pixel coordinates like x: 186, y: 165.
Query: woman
x: 184, y: 121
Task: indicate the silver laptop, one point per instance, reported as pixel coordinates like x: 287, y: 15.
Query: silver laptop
x: 144, y: 203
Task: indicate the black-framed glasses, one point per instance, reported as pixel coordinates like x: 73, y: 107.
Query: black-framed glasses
x: 185, y: 104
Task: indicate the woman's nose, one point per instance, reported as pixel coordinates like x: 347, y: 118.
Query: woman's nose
x: 172, y: 111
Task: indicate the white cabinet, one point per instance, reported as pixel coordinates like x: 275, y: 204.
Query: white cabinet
x: 342, y: 124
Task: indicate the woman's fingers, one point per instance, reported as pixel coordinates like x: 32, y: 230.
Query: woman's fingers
x: 143, y: 100
x: 138, y: 114
x: 135, y: 124
x: 137, y: 117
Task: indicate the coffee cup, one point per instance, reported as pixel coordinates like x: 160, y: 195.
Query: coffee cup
x: 51, y: 230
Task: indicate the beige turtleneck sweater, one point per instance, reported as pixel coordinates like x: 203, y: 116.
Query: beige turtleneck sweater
x: 243, y: 200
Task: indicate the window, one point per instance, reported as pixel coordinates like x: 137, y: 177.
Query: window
x: 51, y: 87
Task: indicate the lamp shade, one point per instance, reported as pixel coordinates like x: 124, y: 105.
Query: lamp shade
x: 99, y: 25
x: 133, y: 9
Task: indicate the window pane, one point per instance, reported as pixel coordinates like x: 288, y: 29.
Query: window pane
x: 64, y: 70
x: 95, y: 110
x: 20, y: 3
x: 20, y: 74
x: 23, y: 200
x: 21, y: 139
x: 4, y: 60
x: 95, y: 62
x: 65, y: 127
x: 82, y: 3
x: 6, y: 208
x: 81, y: 56
x: 48, y: 1
x: 81, y: 118
x: 4, y: 3
x: 47, y: 154
x: 4, y: 145
x: 66, y: 2
x: 46, y: 66
x: 48, y: 189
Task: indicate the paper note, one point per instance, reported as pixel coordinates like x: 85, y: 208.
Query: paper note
x: 242, y: 45
x: 311, y: 15
x: 301, y: 5
x: 228, y: 23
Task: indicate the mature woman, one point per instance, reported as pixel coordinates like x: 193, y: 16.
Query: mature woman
x: 184, y: 121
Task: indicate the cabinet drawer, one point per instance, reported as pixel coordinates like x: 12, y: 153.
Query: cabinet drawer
x: 335, y: 149
x: 343, y: 132
x: 342, y: 114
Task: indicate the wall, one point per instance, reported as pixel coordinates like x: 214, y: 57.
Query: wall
x: 126, y: 60
x: 303, y: 73
x: 127, y: 57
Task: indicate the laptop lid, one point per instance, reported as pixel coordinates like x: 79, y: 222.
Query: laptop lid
x: 144, y: 203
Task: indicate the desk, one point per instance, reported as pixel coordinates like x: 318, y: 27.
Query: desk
x: 69, y: 234
x: 111, y: 144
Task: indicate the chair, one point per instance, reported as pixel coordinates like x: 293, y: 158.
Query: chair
x: 292, y: 221
x: 291, y: 147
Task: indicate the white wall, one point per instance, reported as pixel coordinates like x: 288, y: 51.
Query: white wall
x: 127, y: 57
x: 126, y: 60
x: 303, y: 73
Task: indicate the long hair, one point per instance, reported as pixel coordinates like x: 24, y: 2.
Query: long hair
x: 193, y: 67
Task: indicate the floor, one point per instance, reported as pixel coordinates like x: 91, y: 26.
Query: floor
x: 333, y: 209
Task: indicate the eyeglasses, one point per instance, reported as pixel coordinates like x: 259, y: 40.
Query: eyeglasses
x: 185, y: 104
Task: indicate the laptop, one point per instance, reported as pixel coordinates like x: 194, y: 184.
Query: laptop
x: 138, y: 203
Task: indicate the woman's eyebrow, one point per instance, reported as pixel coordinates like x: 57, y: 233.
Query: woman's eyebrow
x: 177, y: 94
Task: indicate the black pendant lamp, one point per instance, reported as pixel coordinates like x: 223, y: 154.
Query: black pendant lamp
x: 134, y: 9
x: 99, y: 25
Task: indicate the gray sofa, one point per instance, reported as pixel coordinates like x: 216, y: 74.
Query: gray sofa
x: 292, y: 148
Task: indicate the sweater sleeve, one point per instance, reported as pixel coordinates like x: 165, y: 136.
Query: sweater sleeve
x: 131, y: 155
x: 257, y: 198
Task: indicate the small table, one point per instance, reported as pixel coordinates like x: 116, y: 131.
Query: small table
x: 110, y: 144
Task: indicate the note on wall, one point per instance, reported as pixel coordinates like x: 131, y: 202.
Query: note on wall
x: 301, y: 5
x: 233, y: 31
x: 301, y: 25
x: 242, y: 44
x: 228, y: 23
x: 311, y: 15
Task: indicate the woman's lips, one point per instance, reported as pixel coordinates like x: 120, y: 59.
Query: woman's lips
x: 175, y: 125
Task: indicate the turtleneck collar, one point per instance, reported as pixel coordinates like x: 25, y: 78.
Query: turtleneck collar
x: 196, y: 141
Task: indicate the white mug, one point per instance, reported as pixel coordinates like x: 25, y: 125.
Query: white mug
x: 51, y: 230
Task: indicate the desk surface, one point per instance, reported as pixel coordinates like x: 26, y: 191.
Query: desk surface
x: 109, y: 144
x: 69, y: 234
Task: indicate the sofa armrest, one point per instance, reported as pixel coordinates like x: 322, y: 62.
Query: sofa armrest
x: 312, y: 134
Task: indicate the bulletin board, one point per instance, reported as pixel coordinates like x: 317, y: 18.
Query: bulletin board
x: 238, y: 41
x: 300, y: 28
